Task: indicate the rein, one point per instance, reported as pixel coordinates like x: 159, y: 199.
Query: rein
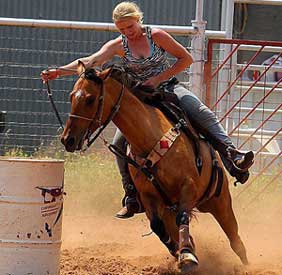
x: 50, y: 96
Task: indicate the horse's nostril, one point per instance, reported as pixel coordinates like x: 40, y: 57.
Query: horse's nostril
x: 70, y: 141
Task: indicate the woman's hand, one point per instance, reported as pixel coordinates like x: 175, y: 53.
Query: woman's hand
x: 49, y: 74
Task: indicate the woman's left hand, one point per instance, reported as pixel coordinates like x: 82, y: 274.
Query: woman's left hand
x: 152, y: 82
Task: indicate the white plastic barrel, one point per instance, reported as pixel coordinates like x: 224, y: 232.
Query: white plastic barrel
x: 31, y: 204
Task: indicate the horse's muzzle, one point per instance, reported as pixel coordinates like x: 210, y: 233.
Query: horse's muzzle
x: 71, y: 143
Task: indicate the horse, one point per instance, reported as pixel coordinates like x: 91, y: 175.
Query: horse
x: 97, y: 98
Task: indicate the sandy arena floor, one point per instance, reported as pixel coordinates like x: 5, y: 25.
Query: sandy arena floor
x: 97, y: 245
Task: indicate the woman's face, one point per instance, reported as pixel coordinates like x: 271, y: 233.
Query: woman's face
x: 130, y: 27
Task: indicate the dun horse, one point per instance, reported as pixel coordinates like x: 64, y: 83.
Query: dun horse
x: 93, y: 102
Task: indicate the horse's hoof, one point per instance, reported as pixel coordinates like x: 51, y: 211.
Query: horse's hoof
x: 188, y: 262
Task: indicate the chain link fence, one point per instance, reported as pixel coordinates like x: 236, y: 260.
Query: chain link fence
x: 27, y: 121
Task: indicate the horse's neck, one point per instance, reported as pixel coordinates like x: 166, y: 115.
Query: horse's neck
x: 141, y: 124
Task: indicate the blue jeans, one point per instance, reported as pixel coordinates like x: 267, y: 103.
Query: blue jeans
x: 201, y: 114
x: 194, y: 109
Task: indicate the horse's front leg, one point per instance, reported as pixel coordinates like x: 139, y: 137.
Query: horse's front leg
x: 153, y: 208
x: 187, y: 260
x: 159, y: 229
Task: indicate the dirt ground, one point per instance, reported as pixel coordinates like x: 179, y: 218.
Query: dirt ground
x: 103, y: 245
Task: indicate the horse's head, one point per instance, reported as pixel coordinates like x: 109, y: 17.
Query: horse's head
x: 86, y: 114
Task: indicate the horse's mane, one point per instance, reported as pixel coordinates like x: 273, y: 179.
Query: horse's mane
x: 119, y: 73
x: 146, y: 94
x: 91, y: 74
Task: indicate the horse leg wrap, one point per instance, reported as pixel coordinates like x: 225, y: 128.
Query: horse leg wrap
x: 182, y: 220
x: 184, y: 239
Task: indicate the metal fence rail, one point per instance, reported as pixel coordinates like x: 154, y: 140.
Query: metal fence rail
x: 245, y: 92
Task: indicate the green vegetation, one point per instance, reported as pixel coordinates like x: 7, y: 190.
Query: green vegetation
x: 92, y: 184
x: 16, y: 153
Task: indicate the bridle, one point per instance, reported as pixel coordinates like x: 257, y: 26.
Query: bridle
x: 98, y: 115
x: 97, y: 119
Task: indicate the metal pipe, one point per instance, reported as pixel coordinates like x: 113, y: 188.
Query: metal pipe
x: 99, y: 26
x: 247, y: 41
x: 229, y: 18
x: 223, y: 15
x: 197, y: 51
x: 260, y: 67
x: 255, y: 48
x: 215, y: 34
x: 260, y: 2
x: 247, y: 132
x: 199, y: 10
x: 268, y: 84
x: 258, y: 109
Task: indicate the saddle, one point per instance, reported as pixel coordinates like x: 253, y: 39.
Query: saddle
x: 164, y: 99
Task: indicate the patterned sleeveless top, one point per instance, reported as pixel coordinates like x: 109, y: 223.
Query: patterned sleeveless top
x: 144, y: 68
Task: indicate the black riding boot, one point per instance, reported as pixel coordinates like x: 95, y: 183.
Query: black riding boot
x: 241, y: 175
x: 236, y: 162
x: 241, y: 160
x: 130, y: 203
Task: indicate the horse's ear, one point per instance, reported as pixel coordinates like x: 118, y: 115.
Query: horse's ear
x: 80, y: 67
x: 105, y: 73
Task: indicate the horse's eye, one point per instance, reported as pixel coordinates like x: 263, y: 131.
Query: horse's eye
x: 90, y: 100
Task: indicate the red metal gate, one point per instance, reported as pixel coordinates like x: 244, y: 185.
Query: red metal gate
x: 244, y: 87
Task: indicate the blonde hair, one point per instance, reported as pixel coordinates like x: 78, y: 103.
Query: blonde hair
x: 127, y: 9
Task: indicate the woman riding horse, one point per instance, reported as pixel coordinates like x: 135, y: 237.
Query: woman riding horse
x: 143, y: 52
x: 173, y: 169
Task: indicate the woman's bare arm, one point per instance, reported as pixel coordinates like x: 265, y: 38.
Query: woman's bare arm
x: 171, y: 46
x: 106, y: 53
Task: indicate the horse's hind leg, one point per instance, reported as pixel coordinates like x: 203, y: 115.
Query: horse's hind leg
x: 221, y: 209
